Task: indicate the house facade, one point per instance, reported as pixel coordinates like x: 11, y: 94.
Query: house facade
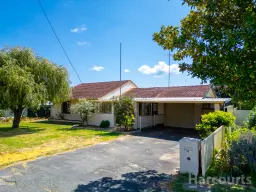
x: 180, y: 106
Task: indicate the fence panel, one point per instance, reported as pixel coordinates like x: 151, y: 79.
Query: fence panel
x: 208, y: 145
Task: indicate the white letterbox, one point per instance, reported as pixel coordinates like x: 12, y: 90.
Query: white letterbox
x: 189, y: 155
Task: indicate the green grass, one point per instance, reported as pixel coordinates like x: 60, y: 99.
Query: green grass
x: 231, y: 188
x: 35, y: 139
x: 177, y: 183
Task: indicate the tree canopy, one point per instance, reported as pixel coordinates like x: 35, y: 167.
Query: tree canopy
x: 27, y: 80
x: 220, y: 38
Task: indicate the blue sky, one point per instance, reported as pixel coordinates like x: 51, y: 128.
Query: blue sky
x: 91, y: 31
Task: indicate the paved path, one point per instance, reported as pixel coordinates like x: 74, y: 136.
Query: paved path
x: 132, y: 163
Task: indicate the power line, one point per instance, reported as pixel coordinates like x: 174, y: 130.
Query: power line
x: 59, y: 40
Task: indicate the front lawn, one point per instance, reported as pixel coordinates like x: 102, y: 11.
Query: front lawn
x: 35, y: 139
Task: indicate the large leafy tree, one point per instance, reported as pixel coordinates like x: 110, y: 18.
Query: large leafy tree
x: 220, y: 38
x: 27, y: 80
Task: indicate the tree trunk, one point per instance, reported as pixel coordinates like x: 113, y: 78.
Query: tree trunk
x: 17, y: 116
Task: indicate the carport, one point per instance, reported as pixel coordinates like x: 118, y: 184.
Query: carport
x: 174, y: 112
x: 179, y: 107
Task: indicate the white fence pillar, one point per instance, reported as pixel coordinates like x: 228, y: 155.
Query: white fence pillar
x: 189, y: 155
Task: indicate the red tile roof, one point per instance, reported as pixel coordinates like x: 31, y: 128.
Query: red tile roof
x: 179, y: 91
x: 95, y: 90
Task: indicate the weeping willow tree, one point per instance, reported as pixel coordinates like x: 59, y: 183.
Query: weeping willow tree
x: 28, y: 81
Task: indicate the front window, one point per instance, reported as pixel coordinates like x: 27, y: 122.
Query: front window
x: 148, y: 109
x: 208, y: 106
x: 104, y: 107
x: 66, y: 107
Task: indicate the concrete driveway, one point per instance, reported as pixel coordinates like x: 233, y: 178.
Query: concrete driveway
x: 140, y: 162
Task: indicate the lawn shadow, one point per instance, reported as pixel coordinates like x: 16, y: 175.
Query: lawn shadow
x: 23, y: 130
x: 149, y: 180
x: 56, y: 122
x: 101, y: 132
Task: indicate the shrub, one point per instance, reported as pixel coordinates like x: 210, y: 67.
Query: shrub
x: 250, y: 122
x: 84, y: 108
x: 235, y: 135
x: 104, y: 124
x: 1, y: 113
x: 124, y: 111
x: 242, y: 153
x: 220, y: 164
x: 212, y: 121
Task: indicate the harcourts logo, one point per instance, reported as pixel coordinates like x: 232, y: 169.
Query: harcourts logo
x: 242, y: 180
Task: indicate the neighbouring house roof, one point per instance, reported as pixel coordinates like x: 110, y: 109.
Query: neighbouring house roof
x: 167, y: 92
x: 96, y: 90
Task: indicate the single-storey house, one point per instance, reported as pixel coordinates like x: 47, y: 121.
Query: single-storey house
x: 180, y: 106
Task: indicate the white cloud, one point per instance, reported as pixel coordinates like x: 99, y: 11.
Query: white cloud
x: 160, y: 69
x: 75, y: 30
x: 126, y: 70
x: 79, y: 29
x: 97, y: 68
x: 82, y: 43
x: 83, y: 29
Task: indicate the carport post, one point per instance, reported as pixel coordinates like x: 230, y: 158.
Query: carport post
x: 152, y: 114
x: 140, y: 123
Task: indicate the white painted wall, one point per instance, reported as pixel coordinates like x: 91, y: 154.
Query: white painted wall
x: 55, y: 110
x: 94, y: 120
x: 116, y: 93
x: 149, y: 121
x: 230, y: 109
x: 241, y: 116
x: 145, y: 121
